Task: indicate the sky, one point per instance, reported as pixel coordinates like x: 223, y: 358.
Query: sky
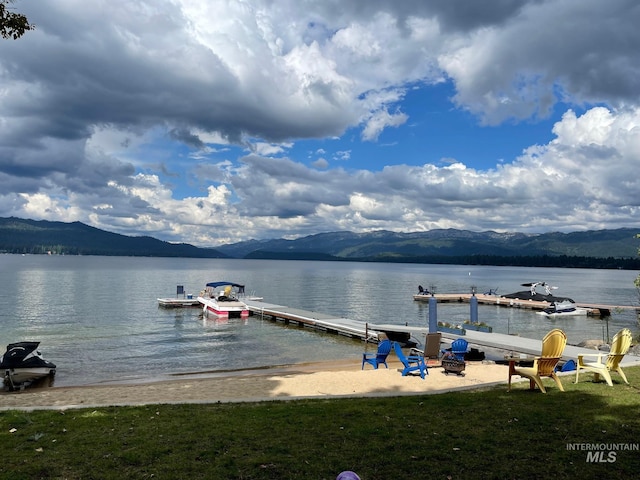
x: 213, y: 122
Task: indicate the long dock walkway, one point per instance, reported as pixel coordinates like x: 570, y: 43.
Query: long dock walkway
x: 371, y: 331
x: 315, y: 320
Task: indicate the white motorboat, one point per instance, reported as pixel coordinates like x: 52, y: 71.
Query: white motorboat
x: 564, y: 308
x: 22, y: 364
x: 222, y: 300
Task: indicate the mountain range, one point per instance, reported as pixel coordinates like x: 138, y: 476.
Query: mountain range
x: 618, y: 243
x: 619, y: 247
x: 19, y: 235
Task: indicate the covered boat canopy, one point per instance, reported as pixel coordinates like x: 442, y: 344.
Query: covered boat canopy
x: 16, y: 353
x: 20, y: 355
x: 224, y: 284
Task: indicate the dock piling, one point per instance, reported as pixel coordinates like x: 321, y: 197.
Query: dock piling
x: 433, y: 314
x: 473, y: 302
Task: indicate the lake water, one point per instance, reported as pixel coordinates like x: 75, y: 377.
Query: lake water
x: 98, y: 318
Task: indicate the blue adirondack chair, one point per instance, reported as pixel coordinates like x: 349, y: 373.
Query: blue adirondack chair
x: 380, y: 357
x: 459, y: 348
x: 412, y: 363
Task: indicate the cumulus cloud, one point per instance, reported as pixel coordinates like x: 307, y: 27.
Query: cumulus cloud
x: 178, y: 117
x: 543, y: 54
x: 379, y: 121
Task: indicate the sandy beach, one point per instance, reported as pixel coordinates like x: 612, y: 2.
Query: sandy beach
x: 342, y: 378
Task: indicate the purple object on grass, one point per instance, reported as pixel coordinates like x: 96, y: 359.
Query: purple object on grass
x: 347, y: 475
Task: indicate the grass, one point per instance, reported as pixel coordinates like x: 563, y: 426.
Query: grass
x: 487, y: 433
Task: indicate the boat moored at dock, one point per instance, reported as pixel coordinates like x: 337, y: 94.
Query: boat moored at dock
x: 221, y: 299
x: 565, y: 308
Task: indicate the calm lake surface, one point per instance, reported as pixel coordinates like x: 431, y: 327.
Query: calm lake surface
x: 98, y: 318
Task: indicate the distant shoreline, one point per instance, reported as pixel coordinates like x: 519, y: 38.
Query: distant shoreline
x: 601, y: 249
x: 485, y: 261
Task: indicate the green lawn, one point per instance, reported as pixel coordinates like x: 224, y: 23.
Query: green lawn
x: 487, y: 433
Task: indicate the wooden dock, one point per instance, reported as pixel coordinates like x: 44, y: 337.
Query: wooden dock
x: 483, y: 299
x: 315, y: 320
x: 370, y: 332
x: 593, y: 309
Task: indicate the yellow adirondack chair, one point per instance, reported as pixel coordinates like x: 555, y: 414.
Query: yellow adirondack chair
x: 553, y: 345
x: 607, y: 362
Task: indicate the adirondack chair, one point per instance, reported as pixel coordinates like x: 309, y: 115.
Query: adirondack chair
x: 607, y: 362
x: 459, y: 348
x: 380, y: 357
x: 411, y: 363
x: 544, y: 366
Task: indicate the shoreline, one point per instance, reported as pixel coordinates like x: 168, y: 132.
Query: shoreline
x: 328, y: 379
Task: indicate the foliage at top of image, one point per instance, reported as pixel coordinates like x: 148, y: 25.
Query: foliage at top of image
x: 12, y: 25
